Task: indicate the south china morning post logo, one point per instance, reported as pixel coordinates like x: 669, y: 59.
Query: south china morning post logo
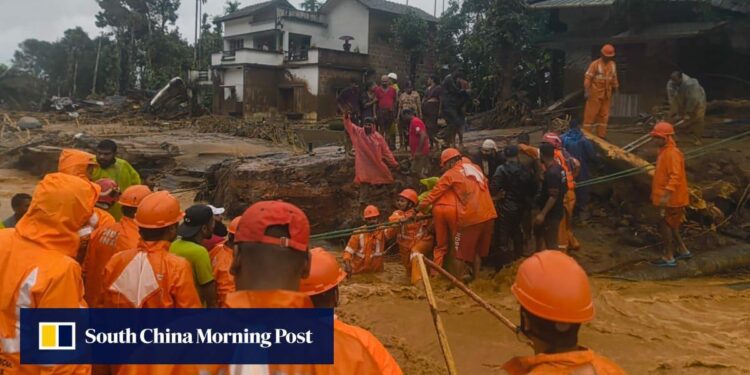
x: 151, y: 336
x: 57, y: 336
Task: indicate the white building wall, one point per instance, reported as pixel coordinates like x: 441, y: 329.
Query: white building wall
x: 235, y: 77
x: 347, y: 17
x: 308, y: 74
x: 241, y: 26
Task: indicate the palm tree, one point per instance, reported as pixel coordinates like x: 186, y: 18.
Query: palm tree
x: 310, y: 5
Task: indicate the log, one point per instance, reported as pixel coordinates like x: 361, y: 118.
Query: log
x: 621, y: 159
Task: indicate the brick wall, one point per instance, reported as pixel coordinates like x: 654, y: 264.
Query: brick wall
x: 332, y: 80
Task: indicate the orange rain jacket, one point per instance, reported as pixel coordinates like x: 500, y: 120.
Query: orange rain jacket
x: 149, y: 277
x: 601, y: 78
x: 365, y: 251
x: 105, y: 242
x: 563, y: 364
x: 471, y: 187
x: 37, y: 266
x: 670, y: 176
x: 412, y: 237
x: 354, y: 351
x: 75, y: 162
x: 221, y: 261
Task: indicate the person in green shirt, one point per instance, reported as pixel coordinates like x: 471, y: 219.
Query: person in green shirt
x: 112, y: 167
x: 197, y: 225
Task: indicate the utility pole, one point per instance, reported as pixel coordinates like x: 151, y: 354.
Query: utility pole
x: 96, y: 64
x: 195, y: 46
x: 434, y: 10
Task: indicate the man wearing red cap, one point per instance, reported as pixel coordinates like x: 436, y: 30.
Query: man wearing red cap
x: 270, y: 259
x: 598, y: 83
x: 669, y: 193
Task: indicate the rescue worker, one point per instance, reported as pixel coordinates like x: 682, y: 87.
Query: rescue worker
x: 37, y: 263
x: 475, y: 210
x: 371, y: 157
x: 110, y: 239
x: 197, y: 225
x: 687, y: 102
x: 413, y: 237
x: 19, y: 204
x: 488, y: 158
x: 581, y: 148
x: 322, y: 286
x: 270, y: 259
x: 221, y: 263
x: 550, y: 200
x: 110, y: 166
x: 598, y: 84
x: 515, y: 187
x: 669, y: 193
x: 571, y: 166
x: 555, y: 298
x: 364, y: 251
x: 164, y: 280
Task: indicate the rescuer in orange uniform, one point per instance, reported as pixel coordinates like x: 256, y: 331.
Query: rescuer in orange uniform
x: 110, y: 239
x: 221, y: 263
x: 669, y: 193
x: 37, y: 263
x: 81, y: 164
x: 444, y: 214
x: 555, y: 298
x: 364, y: 251
x: 598, y: 83
x: 149, y: 276
x: 412, y: 236
x: 322, y: 285
x: 475, y: 208
x: 570, y: 165
x: 270, y: 259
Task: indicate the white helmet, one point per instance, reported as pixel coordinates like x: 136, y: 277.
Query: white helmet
x: 489, y: 144
x: 393, y: 76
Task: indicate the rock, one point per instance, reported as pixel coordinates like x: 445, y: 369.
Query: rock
x: 28, y: 123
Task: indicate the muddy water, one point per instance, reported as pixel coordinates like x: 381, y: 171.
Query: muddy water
x: 695, y: 326
x: 12, y: 182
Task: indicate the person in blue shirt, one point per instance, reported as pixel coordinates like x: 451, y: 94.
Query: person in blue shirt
x: 582, y: 149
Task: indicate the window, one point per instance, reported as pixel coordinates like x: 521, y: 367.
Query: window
x: 235, y: 44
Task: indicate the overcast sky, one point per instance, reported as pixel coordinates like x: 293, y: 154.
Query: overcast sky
x: 47, y: 19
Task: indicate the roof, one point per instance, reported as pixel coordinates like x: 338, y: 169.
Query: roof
x: 741, y: 6
x: 248, y: 10
x: 668, y: 31
x: 388, y: 7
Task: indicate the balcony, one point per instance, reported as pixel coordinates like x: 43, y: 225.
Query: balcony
x: 301, y: 15
x: 247, y: 56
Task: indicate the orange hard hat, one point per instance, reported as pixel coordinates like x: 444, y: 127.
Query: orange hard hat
x: 410, y: 195
x: 234, y: 224
x: 662, y: 130
x: 325, y: 273
x: 371, y: 212
x: 552, y: 286
x: 608, y: 50
x: 448, y: 154
x: 133, y: 195
x: 158, y: 210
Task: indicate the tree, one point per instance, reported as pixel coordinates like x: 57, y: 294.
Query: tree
x: 411, y: 33
x: 231, y: 7
x: 18, y: 89
x: 311, y: 5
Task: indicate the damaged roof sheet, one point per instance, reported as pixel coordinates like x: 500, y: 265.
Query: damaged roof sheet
x: 741, y: 6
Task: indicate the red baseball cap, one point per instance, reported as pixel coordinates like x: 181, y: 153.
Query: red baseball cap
x: 258, y: 217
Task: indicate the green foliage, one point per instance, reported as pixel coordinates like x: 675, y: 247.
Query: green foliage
x: 311, y: 5
x: 231, y: 7
x: 411, y: 33
x: 19, y: 89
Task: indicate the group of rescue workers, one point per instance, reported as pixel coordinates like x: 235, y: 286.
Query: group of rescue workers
x: 93, y: 235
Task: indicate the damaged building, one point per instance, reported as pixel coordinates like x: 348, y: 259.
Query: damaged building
x: 706, y: 39
x: 278, y: 61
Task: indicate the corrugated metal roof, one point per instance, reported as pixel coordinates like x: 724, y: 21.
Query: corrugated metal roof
x: 248, y: 10
x: 396, y: 8
x: 668, y: 31
x: 741, y: 6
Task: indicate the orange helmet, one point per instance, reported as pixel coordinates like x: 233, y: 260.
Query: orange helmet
x: 158, y: 210
x: 608, y: 50
x: 448, y: 154
x: 371, y: 212
x: 662, y: 130
x: 234, y: 224
x: 552, y: 286
x: 410, y: 195
x: 325, y: 273
x: 133, y: 195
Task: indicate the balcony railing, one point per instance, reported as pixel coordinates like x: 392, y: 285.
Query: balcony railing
x: 248, y: 56
x: 301, y: 15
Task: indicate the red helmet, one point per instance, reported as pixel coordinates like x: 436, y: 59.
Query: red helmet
x: 448, y: 154
x: 110, y: 192
x: 371, y: 212
x: 410, y: 195
x: 552, y: 286
x: 552, y: 139
x: 662, y: 130
x: 325, y: 273
x: 608, y: 50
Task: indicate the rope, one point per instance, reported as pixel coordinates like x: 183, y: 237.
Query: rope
x: 364, y: 229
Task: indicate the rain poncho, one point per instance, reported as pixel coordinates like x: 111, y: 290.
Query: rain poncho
x: 121, y: 172
x: 688, y: 98
x: 371, y: 154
